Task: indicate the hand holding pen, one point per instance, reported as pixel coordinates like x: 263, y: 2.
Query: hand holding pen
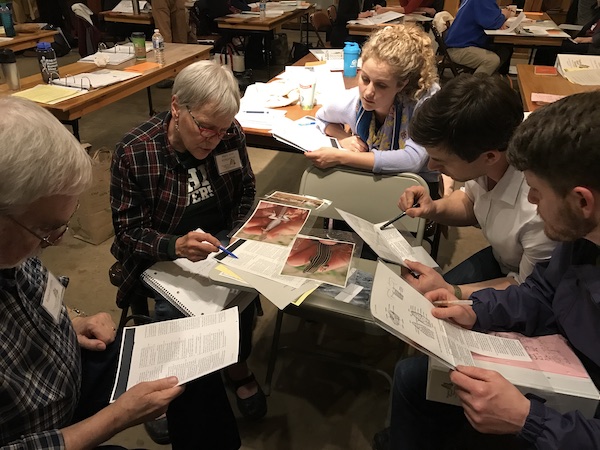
x: 417, y: 202
x: 395, y: 219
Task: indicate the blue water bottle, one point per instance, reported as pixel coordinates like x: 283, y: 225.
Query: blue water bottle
x: 7, y: 21
x: 351, y: 52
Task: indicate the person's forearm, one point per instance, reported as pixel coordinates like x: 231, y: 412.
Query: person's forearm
x: 95, y: 430
x: 337, y: 131
x: 360, y: 160
x: 454, y: 210
x: 497, y: 283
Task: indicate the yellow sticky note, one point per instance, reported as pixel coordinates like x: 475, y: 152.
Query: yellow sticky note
x: 223, y: 269
x: 303, y: 297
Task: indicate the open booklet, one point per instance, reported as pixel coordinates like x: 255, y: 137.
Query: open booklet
x: 579, y: 69
x: 303, y: 134
x: 389, y: 244
x: 187, y: 348
x: 405, y: 313
x: 377, y: 19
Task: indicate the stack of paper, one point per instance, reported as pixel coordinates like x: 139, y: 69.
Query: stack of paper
x: 48, y: 94
x: 378, y: 19
x: 126, y: 6
x: 579, y: 69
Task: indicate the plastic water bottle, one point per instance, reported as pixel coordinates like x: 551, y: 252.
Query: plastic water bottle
x: 47, y: 61
x: 158, y: 45
x: 7, y: 20
x: 263, y: 9
x: 351, y: 52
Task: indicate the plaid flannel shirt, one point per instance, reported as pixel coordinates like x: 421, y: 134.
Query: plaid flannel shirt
x: 40, y: 378
x: 148, y: 195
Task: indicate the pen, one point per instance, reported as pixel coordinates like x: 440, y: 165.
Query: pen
x: 398, y: 217
x: 223, y: 249
x: 307, y: 123
x: 256, y: 112
x: 453, y: 302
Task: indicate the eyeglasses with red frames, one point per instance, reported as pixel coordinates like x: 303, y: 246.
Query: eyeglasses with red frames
x: 207, y: 133
x: 51, y: 239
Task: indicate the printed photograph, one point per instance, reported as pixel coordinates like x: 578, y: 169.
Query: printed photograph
x: 324, y: 260
x: 296, y: 199
x: 274, y: 223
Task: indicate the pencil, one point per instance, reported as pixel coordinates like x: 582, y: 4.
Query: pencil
x: 398, y: 217
x: 453, y: 302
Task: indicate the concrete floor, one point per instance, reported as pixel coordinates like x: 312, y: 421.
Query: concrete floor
x: 313, y: 405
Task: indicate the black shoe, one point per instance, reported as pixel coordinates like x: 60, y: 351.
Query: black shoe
x: 381, y: 440
x: 165, y: 84
x: 158, y: 430
x: 253, y: 407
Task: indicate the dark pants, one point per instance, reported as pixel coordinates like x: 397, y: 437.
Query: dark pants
x: 481, y: 266
x: 201, y: 417
x: 417, y: 423
x: 546, y: 56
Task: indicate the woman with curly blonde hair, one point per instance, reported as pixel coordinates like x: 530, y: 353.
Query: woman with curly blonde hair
x: 398, y: 72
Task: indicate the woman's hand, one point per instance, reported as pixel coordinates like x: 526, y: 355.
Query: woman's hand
x: 354, y: 144
x: 196, y: 246
x: 326, y: 157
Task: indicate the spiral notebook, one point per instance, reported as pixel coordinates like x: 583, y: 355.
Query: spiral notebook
x: 189, y: 292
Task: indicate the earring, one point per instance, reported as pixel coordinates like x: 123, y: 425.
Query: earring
x: 177, y: 124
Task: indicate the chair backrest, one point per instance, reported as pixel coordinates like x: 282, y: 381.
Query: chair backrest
x: 320, y: 21
x: 533, y: 5
x: 444, y: 61
x: 332, y: 13
x: 370, y: 196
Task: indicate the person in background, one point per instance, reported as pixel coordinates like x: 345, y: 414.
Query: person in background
x: 465, y: 129
x: 427, y: 7
x: 170, y: 17
x: 559, y: 297
x: 350, y: 10
x: 587, y: 42
x: 58, y: 365
x: 467, y: 42
x: 398, y: 73
x: 181, y: 171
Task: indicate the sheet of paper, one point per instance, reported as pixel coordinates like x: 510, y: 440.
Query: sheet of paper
x: 407, y: 314
x: 142, y: 67
x: 537, y: 97
x: 260, y: 118
x: 377, y: 19
x: 389, y: 244
x: 590, y: 77
x: 113, y: 58
x: 93, y: 80
x: 48, y: 94
x: 304, y: 136
x: 187, y: 348
x: 263, y: 259
x: 126, y: 6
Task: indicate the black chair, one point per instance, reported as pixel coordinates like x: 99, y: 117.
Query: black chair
x: 444, y: 61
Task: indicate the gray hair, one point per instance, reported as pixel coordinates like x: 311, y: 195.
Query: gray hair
x: 206, y: 83
x: 39, y: 157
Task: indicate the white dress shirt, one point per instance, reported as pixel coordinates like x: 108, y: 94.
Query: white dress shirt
x: 510, y: 223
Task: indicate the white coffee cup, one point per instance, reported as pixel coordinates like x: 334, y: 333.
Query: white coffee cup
x: 306, y: 88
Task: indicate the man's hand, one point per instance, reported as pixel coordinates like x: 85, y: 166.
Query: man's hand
x: 413, y: 195
x: 429, y: 279
x: 583, y: 40
x: 325, y: 157
x: 95, y: 332
x: 462, y: 315
x: 196, y: 246
x: 145, y: 401
x: 491, y: 403
x: 354, y: 144
x: 362, y: 15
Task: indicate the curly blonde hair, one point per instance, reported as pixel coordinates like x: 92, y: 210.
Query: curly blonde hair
x: 409, y: 53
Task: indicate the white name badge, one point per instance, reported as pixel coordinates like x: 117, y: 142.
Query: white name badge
x: 53, y: 297
x: 228, y: 162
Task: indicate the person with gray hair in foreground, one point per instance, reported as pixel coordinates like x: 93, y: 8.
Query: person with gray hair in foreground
x: 57, y: 367
x: 184, y: 170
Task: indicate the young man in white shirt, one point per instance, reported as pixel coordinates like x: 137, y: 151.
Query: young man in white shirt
x: 465, y: 129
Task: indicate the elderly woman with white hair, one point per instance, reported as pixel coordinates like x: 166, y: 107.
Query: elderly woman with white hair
x: 183, y: 170
x: 58, y: 367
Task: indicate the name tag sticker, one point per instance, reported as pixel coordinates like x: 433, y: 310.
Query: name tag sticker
x: 53, y: 297
x: 228, y: 162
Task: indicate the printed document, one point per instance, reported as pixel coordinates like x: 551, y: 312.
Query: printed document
x: 187, y: 348
x: 404, y: 312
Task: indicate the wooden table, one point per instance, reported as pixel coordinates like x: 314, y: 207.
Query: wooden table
x: 256, y: 137
x: 356, y: 29
x: 23, y: 41
x: 530, y: 40
x: 137, y: 19
x: 177, y: 56
x: 529, y: 82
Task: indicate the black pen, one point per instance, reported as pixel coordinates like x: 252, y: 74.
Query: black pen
x: 398, y: 217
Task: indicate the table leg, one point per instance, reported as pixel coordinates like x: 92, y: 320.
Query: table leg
x: 151, y: 111
x: 74, y: 124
